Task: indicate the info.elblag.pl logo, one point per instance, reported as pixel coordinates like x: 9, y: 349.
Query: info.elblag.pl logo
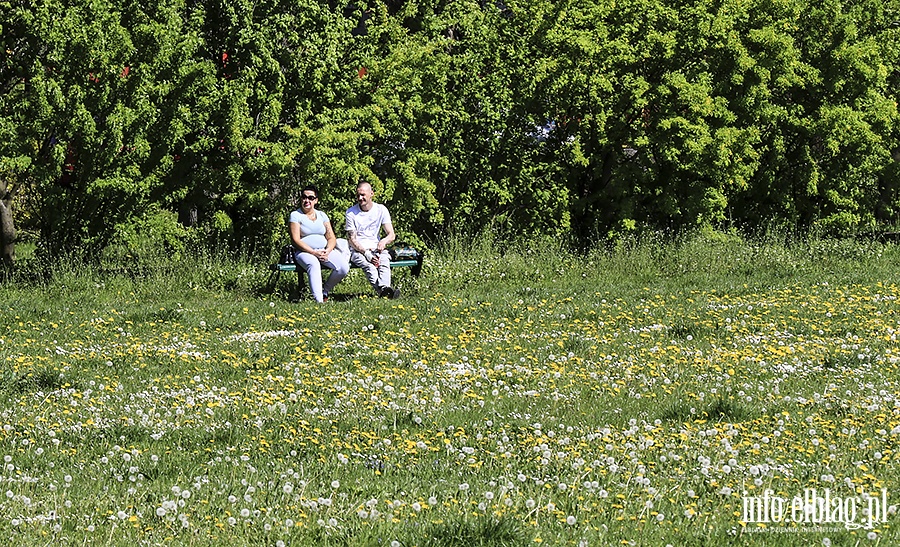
x: 818, y: 507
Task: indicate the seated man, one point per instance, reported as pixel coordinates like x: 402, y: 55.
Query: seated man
x: 367, y: 248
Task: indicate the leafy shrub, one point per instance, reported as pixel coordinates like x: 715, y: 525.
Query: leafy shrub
x: 154, y: 238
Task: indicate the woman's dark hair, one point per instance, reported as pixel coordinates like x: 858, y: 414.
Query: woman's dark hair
x: 311, y: 187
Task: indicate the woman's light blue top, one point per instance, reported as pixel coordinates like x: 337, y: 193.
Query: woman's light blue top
x: 312, y: 232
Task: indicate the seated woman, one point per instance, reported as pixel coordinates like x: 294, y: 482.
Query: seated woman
x: 313, y: 239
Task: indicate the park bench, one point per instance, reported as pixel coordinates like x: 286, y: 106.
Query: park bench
x: 406, y: 257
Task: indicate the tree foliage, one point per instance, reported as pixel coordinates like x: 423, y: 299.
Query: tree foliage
x: 522, y: 116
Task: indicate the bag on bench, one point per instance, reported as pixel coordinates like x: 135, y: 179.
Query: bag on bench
x: 404, y: 253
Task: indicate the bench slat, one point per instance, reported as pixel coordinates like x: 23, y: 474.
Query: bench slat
x: 394, y: 264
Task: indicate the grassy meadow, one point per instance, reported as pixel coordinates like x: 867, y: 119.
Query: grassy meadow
x: 650, y: 394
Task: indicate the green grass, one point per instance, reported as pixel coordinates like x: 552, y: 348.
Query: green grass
x: 516, y: 395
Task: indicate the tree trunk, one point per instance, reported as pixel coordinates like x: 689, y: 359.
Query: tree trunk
x: 7, y: 230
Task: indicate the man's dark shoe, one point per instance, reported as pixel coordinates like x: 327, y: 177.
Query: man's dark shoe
x: 388, y: 292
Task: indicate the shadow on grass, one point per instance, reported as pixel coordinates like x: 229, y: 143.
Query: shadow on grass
x: 718, y: 410
x: 472, y: 532
x: 346, y: 297
x: 43, y: 379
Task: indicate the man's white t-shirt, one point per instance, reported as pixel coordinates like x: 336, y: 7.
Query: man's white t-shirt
x: 367, y: 224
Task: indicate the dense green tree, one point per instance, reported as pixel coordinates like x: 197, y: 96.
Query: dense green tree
x: 125, y: 119
x: 83, y: 131
x: 815, y: 83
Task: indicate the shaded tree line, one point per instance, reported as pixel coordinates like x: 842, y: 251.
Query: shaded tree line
x: 203, y: 118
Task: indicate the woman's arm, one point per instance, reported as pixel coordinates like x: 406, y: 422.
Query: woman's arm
x: 297, y: 239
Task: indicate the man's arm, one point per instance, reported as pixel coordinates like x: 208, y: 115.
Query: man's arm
x: 350, y: 228
x: 357, y: 246
x: 354, y: 244
x: 388, y: 238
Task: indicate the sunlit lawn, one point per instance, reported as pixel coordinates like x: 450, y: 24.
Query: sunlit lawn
x: 500, y: 402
